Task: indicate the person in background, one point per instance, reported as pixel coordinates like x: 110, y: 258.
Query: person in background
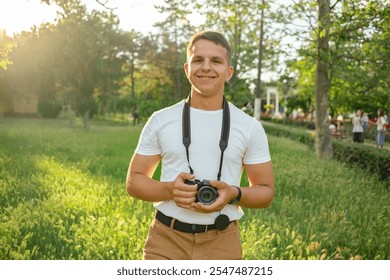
x: 357, y: 130
x: 332, y: 127
x: 365, y: 121
x: 381, y: 128
x: 340, y: 121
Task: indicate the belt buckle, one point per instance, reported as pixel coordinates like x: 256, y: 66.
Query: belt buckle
x: 194, y: 228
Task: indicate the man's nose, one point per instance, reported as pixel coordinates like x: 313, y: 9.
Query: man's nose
x: 206, y: 65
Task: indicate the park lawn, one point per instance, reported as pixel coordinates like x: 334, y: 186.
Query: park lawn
x: 62, y: 196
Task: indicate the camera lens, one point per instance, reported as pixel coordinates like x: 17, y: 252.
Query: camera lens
x: 206, y: 195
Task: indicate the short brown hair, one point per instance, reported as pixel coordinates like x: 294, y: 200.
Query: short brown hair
x: 212, y: 36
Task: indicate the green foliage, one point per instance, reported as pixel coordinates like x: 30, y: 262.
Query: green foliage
x: 373, y: 161
x: 358, y: 60
x: 83, y: 55
x: 87, y: 106
x: 49, y: 108
x: 62, y: 196
x: 299, y: 135
x: 6, y: 46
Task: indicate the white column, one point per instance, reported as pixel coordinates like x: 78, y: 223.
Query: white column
x: 276, y: 102
x: 268, y: 97
x: 257, y: 109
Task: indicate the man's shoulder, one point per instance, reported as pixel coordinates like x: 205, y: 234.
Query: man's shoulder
x: 170, y: 110
x: 240, y: 115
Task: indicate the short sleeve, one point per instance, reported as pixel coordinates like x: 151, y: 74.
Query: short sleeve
x: 257, y: 150
x: 148, y: 143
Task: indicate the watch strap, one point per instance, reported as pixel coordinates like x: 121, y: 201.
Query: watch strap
x: 237, y: 198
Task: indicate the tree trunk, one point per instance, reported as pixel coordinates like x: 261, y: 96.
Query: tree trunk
x: 259, y: 94
x: 323, y: 137
x: 86, y: 120
x: 132, y: 76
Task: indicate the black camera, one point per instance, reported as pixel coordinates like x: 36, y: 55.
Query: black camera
x: 206, y: 194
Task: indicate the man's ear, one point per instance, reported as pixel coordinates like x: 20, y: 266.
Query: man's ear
x: 186, y: 68
x: 230, y: 73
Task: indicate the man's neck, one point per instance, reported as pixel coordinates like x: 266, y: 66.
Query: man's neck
x: 208, y: 103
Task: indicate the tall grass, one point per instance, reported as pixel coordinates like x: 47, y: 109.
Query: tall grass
x: 323, y: 209
x: 62, y: 196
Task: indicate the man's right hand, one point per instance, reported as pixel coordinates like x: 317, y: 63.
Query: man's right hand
x: 183, y: 195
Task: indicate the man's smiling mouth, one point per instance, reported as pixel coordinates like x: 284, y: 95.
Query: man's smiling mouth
x: 206, y: 77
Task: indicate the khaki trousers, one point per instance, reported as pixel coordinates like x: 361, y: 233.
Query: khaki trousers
x: 165, y: 243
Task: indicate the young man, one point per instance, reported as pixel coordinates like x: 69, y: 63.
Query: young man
x: 202, y: 138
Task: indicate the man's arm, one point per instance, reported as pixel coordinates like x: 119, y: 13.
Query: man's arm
x: 140, y: 183
x: 260, y: 194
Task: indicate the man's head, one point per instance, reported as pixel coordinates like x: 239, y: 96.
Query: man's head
x: 208, y: 63
x: 212, y: 36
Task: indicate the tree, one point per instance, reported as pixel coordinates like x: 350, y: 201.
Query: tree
x: 6, y: 46
x: 175, y: 32
x: 358, y: 57
x: 32, y: 71
x: 259, y: 91
x: 323, y: 138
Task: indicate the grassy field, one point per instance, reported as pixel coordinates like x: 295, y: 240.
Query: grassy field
x: 62, y: 196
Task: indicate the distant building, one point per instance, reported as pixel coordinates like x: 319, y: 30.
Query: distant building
x: 271, y: 101
x: 25, y: 104
x: 21, y: 104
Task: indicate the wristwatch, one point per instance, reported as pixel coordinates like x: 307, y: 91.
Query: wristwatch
x: 237, y: 198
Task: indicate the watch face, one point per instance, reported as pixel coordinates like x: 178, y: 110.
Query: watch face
x: 222, y: 222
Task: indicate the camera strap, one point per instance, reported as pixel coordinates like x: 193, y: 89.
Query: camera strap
x: 223, y: 142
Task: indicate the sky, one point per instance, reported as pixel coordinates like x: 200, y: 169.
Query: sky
x: 21, y: 15
x: 140, y: 15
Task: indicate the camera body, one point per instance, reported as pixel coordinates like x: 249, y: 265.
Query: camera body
x: 206, y: 194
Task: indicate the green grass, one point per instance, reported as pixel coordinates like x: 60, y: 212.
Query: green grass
x: 62, y: 196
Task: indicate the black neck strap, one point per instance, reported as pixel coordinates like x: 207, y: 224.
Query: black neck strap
x: 223, y: 142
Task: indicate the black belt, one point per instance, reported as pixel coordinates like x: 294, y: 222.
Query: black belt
x: 184, y: 227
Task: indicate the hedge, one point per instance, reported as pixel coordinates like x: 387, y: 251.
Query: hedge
x: 368, y: 158
x: 299, y: 135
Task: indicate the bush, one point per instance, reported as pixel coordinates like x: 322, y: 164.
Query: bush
x: 87, y: 105
x: 373, y: 160
x: 49, y: 109
x: 370, y: 159
x: 297, y: 135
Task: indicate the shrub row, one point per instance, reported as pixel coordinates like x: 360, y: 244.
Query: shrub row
x: 370, y: 159
x: 291, y: 122
x: 367, y: 157
x: 301, y: 136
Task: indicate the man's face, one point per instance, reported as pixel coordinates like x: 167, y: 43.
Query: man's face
x: 207, y: 68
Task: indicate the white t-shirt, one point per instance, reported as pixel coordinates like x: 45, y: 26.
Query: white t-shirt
x: 357, y: 125
x: 162, y: 135
x: 381, y: 124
